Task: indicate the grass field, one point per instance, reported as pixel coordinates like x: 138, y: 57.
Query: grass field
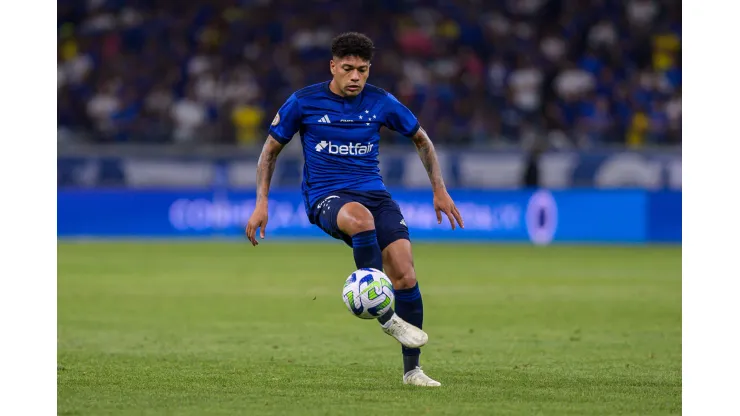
x: 224, y: 328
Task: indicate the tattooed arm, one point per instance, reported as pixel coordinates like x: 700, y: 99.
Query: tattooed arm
x: 428, y: 156
x: 265, y: 169
x: 442, y: 200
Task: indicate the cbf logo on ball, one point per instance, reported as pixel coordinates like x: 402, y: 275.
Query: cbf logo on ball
x: 368, y: 293
x: 542, y: 218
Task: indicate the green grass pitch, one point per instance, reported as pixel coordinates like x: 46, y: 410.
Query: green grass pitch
x: 224, y: 328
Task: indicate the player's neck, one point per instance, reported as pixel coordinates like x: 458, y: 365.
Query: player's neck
x: 335, y: 89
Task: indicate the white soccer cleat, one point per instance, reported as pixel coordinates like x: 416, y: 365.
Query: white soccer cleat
x: 416, y: 377
x: 407, y: 334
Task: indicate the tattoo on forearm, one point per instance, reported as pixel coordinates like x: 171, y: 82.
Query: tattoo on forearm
x: 266, y: 167
x: 428, y: 156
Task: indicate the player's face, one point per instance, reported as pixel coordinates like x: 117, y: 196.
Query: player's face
x: 350, y: 74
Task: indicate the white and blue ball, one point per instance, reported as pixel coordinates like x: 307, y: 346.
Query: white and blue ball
x: 368, y: 293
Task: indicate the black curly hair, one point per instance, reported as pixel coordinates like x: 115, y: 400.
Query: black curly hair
x: 353, y: 44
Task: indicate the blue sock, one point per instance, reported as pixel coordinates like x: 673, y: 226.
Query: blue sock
x: 366, y: 250
x: 367, y: 254
x: 410, y: 308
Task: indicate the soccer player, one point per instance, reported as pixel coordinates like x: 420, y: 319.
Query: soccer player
x: 343, y: 191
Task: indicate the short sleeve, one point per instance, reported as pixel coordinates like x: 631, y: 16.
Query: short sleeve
x: 400, y: 118
x: 287, y: 121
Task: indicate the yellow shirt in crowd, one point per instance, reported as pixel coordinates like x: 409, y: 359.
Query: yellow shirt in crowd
x: 247, y: 121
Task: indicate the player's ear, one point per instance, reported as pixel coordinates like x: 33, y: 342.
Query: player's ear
x: 332, y: 67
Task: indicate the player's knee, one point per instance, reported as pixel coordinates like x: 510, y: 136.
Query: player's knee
x: 407, y: 281
x: 355, y: 218
x: 398, y: 263
x: 406, y: 277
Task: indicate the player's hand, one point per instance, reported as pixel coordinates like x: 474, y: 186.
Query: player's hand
x: 443, y: 203
x: 258, y: 220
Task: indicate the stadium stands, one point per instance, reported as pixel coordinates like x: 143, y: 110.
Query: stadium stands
x: 582, y: 73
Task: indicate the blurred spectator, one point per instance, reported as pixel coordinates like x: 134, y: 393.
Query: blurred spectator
x: 598, y: 122
x: 638, y: 128
x: 526, y: 84
x: 579, y: 72
x: 641, y: 12
x: 673, y: 111
x: 248, y: 120
x: 102, y: 105
x: 658, y: 122
x: 189, y: 117
x: 573, y: 82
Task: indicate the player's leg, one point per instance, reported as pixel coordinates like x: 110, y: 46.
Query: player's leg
x: 399, y: 266
x: 398, y: 263
x: 357, y: 222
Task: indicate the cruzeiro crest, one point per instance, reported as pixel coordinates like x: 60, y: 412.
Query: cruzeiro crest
x: 276, y: 120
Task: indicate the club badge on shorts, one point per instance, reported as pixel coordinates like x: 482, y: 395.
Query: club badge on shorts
x: 276, y: 120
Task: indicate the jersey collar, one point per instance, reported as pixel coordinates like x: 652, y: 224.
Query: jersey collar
x: 346, y: 102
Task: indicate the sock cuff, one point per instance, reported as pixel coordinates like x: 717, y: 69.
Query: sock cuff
x: 364, y: 238
x: 410, y: 352
x: 408, y: 295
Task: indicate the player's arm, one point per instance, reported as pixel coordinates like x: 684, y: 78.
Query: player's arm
x: 265, y: 169
x: 428, y: 156
x: 285, y: 124
x: 442, y: 199
x: 399, y: 118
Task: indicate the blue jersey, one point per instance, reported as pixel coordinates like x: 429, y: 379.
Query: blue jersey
x: 340, y: 136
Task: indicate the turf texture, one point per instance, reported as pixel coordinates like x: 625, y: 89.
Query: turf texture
x: 184, y: 328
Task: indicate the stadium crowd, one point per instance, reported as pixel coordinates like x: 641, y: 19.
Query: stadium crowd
x: 578, y: 72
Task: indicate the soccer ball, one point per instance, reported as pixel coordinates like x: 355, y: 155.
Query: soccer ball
x: 368, y: 293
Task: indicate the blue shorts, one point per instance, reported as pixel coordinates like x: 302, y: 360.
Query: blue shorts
x: 389, y: 222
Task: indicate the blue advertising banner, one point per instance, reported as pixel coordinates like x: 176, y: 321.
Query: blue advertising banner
x: 664, y: 213
x: 540, y: 217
